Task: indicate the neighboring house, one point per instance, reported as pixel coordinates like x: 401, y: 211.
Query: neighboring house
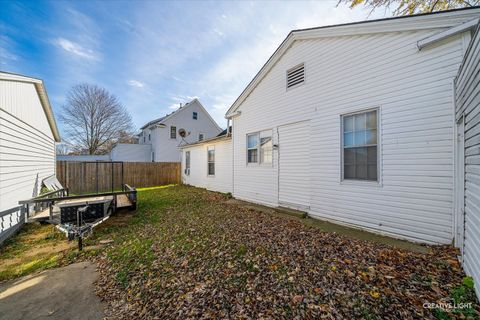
x: 160, y: 139
x: 132, y: 152
x: 355, y: 124
x: 165, y: 134
x: 28, y: 133
x: 208, y: 163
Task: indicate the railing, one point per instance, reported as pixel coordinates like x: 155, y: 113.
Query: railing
x: 42, y: 201
x: 11, y: 221
x: 45, y: 201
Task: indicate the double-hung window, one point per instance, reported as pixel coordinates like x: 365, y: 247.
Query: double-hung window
x: 259, y: 147
x: 195, y: 115
x: 187, y: 163
x: 173, y: 132
x: 360, y: 138
x: 211, y: 160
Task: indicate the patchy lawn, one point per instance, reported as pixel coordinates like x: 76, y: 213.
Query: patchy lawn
x: 190, y: 253
x: 35, y: 248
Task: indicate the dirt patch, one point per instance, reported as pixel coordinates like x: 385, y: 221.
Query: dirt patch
x: 46, y: 250
x: 63, y: 293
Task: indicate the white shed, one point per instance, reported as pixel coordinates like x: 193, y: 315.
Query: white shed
x: 28, y: 133
x: 354, y: 123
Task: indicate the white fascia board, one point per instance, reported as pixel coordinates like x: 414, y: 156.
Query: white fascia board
x: 471, y: 24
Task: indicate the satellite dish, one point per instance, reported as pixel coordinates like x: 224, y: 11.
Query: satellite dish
x: 183, y: 133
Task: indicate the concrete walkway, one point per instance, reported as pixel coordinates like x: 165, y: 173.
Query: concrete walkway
x: 62, y: 293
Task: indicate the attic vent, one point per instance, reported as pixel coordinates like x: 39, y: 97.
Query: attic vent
x: 296, y: 75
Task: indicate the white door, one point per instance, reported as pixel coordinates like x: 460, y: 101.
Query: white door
x: 294, y: 165
x: 460, y: 186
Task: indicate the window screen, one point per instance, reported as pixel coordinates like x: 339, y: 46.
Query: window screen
x: 259, y: 147
x: 252, y: 148
x: 187, y: 162
x: 211, y: 161
x: 360, y: 146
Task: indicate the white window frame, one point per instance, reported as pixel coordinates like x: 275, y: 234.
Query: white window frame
x: 174, y: 138
x: 259, y: 149
x: 379, y: 180
x: 211, y: 148
x: 203, y: 136
x: 195, y: 115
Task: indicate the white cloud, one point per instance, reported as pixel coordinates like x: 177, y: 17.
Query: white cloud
x: 136, y: 83
x: 218, y: 32
x: 76, y: 49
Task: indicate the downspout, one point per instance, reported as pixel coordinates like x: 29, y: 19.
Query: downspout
x: 228, y: 117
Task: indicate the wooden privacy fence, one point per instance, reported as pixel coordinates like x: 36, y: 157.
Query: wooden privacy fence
x: 91, y: 177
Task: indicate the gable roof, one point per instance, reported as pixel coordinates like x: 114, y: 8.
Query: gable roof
x: 435, y: 20
x: 42, y: 95
x: 174, y: 113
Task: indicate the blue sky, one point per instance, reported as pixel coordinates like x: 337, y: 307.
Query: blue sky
x: 154, y: 55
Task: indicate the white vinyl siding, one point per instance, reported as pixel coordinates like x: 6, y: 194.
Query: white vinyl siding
x: 222, y: 180
x: 27, y: 147
x: 294, y: 166
x: 413, y: 198
x: 468, y: 107
x: 132, y: 152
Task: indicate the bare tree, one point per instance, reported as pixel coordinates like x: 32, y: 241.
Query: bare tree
x: 94, y: 119
x: 409, y: 7
x: 62, y: 149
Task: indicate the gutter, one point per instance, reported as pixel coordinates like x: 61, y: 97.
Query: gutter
x: 469, y: 25
x: 233, y: 115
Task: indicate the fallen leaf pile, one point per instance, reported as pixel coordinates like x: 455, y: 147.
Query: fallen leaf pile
x: 190, y: 253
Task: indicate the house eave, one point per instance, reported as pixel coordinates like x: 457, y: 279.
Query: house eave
x: 426, y: 21
x: 43, y: 96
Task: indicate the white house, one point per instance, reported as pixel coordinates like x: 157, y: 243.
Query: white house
x: 160, y: 139
x: 164, y: 135
x: 208, y: 163
x: 28, y: 133
x: 355, y: 124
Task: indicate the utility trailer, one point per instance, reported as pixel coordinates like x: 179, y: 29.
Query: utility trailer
x: 77, y: 215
